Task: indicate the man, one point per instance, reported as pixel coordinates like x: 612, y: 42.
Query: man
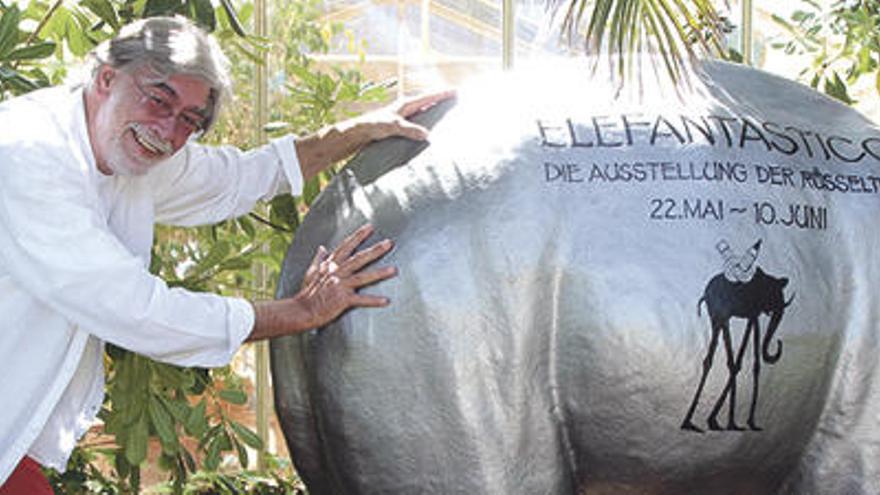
x: 84, y: 174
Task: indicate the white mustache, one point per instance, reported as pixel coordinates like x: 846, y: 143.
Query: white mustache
x: 151, y: 140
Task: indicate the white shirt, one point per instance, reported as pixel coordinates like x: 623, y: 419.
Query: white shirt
x: 74, y: 252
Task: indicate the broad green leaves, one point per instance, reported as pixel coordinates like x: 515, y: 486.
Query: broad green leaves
x: 322, y: 96
x: 203, y: 12
x: 843, y: 41
x: 38, y: 50
x: 836, y: 88
x: 9, y: 30
x: 185, y: 411
x: 147, y: 399
x: 200, y: 11
x: 19, y: 52
x: 104, y: 11
x: 73, y: 28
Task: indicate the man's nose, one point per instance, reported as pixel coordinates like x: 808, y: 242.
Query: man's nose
x: 166, y: 126
x: 169, y: 130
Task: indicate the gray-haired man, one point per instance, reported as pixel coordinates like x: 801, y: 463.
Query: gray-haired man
x: 85, y: 172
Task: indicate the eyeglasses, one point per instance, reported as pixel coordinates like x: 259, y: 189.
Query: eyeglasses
x: 158, y: 104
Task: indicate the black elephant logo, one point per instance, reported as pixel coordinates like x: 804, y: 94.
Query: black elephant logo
x: 743, y: 290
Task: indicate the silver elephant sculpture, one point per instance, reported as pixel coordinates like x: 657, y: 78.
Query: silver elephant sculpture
x: 594, y: 286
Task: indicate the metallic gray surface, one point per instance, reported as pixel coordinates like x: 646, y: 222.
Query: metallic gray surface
x: 550, y: 336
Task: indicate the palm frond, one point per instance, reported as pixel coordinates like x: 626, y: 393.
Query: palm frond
x: 680, y: 31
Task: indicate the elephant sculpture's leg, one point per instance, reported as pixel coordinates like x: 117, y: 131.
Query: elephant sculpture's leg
x: 756, y: 372
x: 688, y: 424
x: 734, y: 362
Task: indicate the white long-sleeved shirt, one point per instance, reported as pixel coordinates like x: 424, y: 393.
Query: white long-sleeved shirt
x: 74, y: 251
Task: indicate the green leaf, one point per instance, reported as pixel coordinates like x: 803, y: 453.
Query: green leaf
x: 179, y: 408
x: 35, y: 51
x: 56, y: 26
x: 9, y: 30
x: 196, y: 424
x: 167, y: 462
x: 188, y: 459
x: 247, y: 226
x: 865, y: 60
x: 17, y: 81
x: 164, y: 425
x: 242, y: 453
x: 245, y: 11
x: 276, y: 127
x: 136, y: 441
x: 252, y: 55
x: 77, y: 39
x: 311, y: 190
x: 284, y: 211
x: 171, y: 376
x: 219, y: 251
x: 104, y: 10
x: 782, y: 22
x: 141, y: 372
x: 238, y: 263
x: 162, y: 7
x: 209, y: 437
x: 135, y: 479
x: 202, y: 12
x: 212, y: 459
x: 233, y: 396
x: 246, y: 435
x: 836, y: 88
x: 156, y: 262
x: 224, y: 441
x: 299, y: 68
x: 800, y: 16
x: 877, y: 81
x: 122, y: 466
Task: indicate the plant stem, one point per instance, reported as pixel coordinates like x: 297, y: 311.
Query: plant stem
x: 264, y: 221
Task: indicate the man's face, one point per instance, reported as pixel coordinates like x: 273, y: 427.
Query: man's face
x: 140, y: 121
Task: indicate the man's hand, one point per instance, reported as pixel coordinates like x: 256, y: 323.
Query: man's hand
x: 392, y: 120
x: 331, y: 282
x: 318, y: 151
x: 330, y: 286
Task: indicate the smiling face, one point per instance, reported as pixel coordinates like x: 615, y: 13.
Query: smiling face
x: 135, y: 122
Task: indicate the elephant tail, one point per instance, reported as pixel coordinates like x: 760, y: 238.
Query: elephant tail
x: 700, y: 303
x: 768, y: 339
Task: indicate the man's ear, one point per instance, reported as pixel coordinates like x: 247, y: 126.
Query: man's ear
x: 105, y: 78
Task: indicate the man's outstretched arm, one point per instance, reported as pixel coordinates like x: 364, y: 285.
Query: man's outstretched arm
x: 333, y: 143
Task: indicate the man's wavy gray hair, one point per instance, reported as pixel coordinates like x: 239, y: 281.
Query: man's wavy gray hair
x: 168, y: 46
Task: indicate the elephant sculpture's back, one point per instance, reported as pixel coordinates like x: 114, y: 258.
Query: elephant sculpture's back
x: 543, y: 337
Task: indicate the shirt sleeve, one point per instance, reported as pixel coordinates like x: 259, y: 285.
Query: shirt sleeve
x: 208, y: 184
x: 55, y: 246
